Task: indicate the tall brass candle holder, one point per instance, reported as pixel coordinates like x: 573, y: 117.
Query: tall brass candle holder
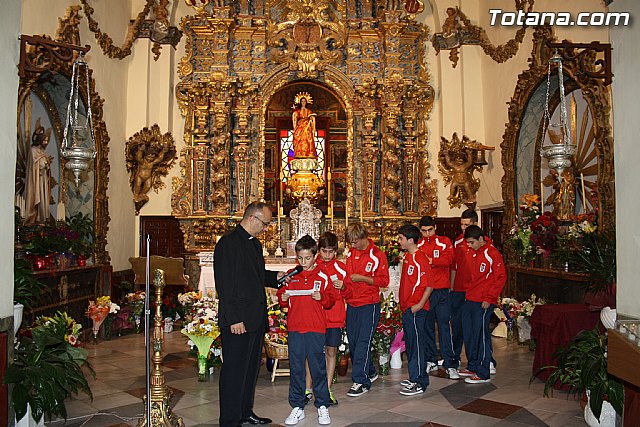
x: 161, y: 414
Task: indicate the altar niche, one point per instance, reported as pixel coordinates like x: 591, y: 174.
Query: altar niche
x: 283, y: 158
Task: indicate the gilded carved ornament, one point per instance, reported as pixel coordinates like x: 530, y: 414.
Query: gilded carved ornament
x: 458, y: 160
x: 457, y: 30
x: 149, y: 155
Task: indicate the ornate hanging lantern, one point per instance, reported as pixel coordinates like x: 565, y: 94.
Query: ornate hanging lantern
x: 561, y: 152
x: 78, y: 144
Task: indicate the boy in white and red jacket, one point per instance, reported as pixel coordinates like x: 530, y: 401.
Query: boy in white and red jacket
x: 488, y: 277
x: 439, y: 251
x: 415, y: 289
x: 367, y: 272
x: 307, y: 295
x: 336, y: 315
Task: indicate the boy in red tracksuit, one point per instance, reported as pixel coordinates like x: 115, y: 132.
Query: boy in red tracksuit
x: 415, y: 288
x: 307, y: 295
x: 367, y: 272
x: 336, y: 315
x: 459, y: 279
x: 488, y: 277
x: 439, y: 251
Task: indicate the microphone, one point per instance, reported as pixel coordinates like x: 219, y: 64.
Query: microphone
x: 292, y: 273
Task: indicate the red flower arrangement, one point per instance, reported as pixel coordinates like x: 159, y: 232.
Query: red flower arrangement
x: 544, y: 233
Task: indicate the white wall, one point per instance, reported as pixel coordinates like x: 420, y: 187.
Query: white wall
x: 111, y: 83
x: 10, y: 49
x: 626, y: 93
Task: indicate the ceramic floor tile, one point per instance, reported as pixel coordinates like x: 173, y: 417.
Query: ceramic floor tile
x: 490, y: 408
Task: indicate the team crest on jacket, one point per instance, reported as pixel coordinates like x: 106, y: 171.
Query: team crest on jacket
x: 483, y: 267
x: 436, y: 253
x: 369, y: 267
x: 410, y: 270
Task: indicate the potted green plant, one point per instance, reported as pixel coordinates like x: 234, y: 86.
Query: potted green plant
x: 26, y: 289
x: 47, y: 368
x: 582, y: 367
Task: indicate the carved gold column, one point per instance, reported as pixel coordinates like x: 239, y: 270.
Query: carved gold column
x: 161, y: 414
x: 391, y: 165
x: 410, y: 167
x: 245, y: 96
x: 367, y: 99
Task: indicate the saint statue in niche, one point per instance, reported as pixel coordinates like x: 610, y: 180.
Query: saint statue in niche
x: 38, y: 181
x: 304, y: 127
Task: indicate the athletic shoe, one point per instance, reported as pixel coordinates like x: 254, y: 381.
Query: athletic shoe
x: 323, y: 416
x: 413, y: 390
x: 492, y: 368
x: 432, y: 367
x: 308, y: 395
x: 465, y: 373
x: 373, y: 377
x: 452, y: 373
x: 440, y: 362
x: 476, y: 380
x: 297, y: 414
x: 334, y: 401
x: 406, y: 383
x: 357, y: 390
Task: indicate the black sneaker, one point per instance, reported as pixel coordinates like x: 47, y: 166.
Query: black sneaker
x: 373, y: 377
x: 333, y: 401
x: 413, y: 390
x: 357, y: 390
x: 307, y: 397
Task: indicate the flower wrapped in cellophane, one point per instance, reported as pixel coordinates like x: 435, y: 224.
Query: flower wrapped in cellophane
x: 98, y: 311
x: 388, y: 326
x: 202, y: 332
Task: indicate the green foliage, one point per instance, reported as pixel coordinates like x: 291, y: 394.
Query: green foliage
x: 46, y: 370
x: 582, y: 365
x: 82, y: 225
x: 26, y: 287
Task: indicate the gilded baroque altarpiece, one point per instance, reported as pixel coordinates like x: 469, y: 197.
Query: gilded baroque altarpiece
x: 241, y: 54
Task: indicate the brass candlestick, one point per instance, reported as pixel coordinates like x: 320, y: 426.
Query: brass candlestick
x: 161, y: 414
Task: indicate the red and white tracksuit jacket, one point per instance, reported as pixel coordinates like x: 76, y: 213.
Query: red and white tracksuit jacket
x: 306, y: 314
x: 415, y: 278
x: 488, y: 275
x: 462, y: 262
x: 440, y: 250
x: 371, y: 262
x: 336, y: 270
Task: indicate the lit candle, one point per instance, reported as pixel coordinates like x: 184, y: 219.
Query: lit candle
x: 331, y: 210
x: 329, y: 184
x: 346, y: 214
x: 584, y: 199
x: 361, y: 216
x: 278, y: 216
x: 281, y: 186
x: 61, y: 212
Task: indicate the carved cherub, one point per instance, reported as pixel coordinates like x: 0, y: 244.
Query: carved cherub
x: 149, y: 156
x: 462, y: 175
x: 457, y: 162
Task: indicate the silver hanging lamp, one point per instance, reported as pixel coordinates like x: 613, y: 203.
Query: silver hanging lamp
x: 78, y: 144
x: 559, y: 155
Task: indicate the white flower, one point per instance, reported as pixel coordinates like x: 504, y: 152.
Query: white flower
x: 342, y: 347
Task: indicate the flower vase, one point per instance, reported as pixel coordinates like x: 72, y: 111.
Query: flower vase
x: 510, y: 329
x: 138, y: 323
x: 202, y: 367
x: 384, y: 364
x: 396, y: 359
x: 343, y: 365
x: 107, y: 330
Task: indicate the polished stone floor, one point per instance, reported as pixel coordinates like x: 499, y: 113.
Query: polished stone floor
x: 509, y: 400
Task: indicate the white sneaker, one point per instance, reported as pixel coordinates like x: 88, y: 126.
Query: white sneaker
x: 452, y: 373
x: 492, y: 368
x: 406, y: 383
x: 323, y: 416
x: 432, y: 367
x: 297, y: 414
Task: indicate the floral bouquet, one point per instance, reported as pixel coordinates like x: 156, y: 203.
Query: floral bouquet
x: 389, y: 324
x: 544, y: 231
x: 98, y: 311
x: 507, y: 313
x: 520, y: 233
x: 108, y: 322
x: 277, y: 324
x: 202, y: 332
x: 61, y: 326
x: 136, y: 301
x: 393, y: 252
x: 524, y: 314
x: 187, y: 300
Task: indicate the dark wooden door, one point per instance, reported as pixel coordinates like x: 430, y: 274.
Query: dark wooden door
x: 492, y: 225
x: 166, y: 236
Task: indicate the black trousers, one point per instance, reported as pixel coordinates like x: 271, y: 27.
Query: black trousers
x: 239, y: 374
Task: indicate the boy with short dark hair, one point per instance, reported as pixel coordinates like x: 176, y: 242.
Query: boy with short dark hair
x: 367, y: 272
x: 307, y: 295
x: 336, y: 315
x: 488, y: 277
x: 414, y: 303
x: 439, y: 251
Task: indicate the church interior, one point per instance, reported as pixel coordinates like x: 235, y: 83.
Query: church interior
x: 140, y: 129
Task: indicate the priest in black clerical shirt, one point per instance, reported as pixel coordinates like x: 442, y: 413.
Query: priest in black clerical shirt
x: 240, y: 278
